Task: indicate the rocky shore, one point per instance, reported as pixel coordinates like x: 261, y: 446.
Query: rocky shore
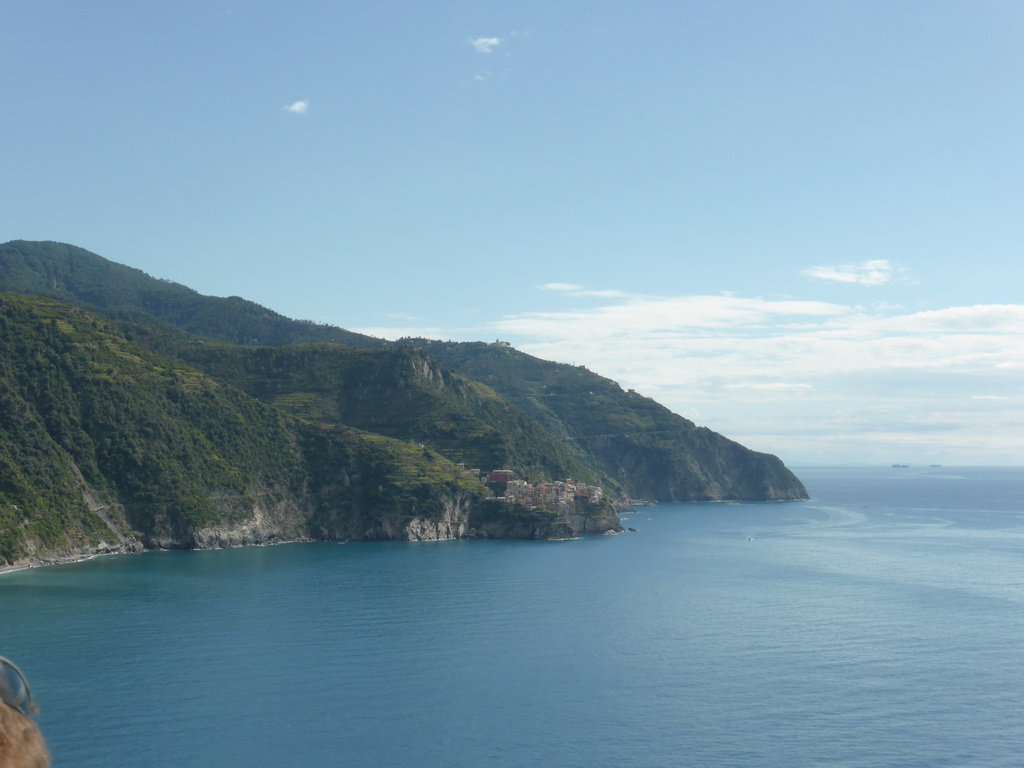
x: 459, y: 519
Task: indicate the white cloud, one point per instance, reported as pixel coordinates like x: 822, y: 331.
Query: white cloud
x: 647, y: 316
x: 807, y: 380
x: 992, y: 318
x: 773, y: 373
x: 873, y: 272
x: 604, y: 294
x: 781, y: 386
x: 485, y: 44
x: 297, y: 107
x: 579, y: 290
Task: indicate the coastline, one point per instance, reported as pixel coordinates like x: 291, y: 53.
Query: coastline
x: 216, y: 539
x: 26, y: 565
x: 33, y: 562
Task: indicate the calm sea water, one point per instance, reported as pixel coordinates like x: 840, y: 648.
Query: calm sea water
x: 880, y: 624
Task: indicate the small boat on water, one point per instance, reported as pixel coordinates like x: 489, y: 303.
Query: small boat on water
x: 900, y: 466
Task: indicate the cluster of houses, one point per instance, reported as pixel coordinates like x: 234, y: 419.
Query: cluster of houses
x: 553, y: 497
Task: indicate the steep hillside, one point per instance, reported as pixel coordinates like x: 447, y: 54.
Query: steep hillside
x: 401, y: 393
x: 75, y: 275
x: 650, y: 451
x: 547, y: 419
x: 107, y: 447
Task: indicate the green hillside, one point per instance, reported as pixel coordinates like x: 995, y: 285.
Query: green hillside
x: 650, y: 451
x: 106, y: 446
x: 401, y: 393
x: 78, y: 276
x: 485, y: 404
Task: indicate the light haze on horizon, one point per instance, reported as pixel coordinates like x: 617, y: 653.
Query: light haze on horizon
x: 796, y: 223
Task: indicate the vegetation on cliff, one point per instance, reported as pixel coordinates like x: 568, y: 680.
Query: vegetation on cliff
x: 104, y: 440
x: 78, y: 276
x: 645, y: 449
x: 401, y: 393
x: 136, y: 410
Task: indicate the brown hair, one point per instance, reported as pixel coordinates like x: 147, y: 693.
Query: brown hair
x: 21, y: 743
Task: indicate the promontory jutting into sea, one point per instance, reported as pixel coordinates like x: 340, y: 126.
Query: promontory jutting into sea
x: 877, y: 624
x: 139, y: 414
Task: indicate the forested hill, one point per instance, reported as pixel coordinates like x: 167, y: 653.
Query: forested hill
x: 477, y: 402
x: 644, y: 446
x: 105, y: 446
x: 402, y: 393
x: 78, y: 276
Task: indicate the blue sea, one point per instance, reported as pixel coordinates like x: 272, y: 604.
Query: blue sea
x: 879, y: 624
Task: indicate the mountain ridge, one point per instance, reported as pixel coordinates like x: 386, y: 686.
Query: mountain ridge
x: 107, y: 447
x: 470, y: 403
x: 73, y: 274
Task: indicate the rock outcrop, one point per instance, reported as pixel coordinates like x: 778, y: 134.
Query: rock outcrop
x: 497, y: 520
x: 119, y: 432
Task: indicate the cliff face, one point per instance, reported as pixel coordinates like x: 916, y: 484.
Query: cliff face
x: 120, y: 432
x: 637, y: 445
x: 267, y: 518
x: 548, y: 418
x: 530, y: 414
x: 696, y: 465
x: 445, y: 518
x: 290, y: 522
x: 495, y: 520
x: 595, y: 518
x: 399, y: 392
x: 107, y: 448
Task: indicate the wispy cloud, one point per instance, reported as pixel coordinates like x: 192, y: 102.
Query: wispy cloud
x: 804, y: 378
x: 579, y: 290
x: 808, y: 380
x: 485, y: 44
x: 297, y: 107
x: 872, y: 272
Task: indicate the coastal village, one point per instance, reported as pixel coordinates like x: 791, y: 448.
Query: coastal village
x: 552, y: 497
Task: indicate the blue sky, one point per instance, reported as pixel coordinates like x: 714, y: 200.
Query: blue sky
x: 797, y: 223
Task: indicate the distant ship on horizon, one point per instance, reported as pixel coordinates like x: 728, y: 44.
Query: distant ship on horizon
x: 901, y: 466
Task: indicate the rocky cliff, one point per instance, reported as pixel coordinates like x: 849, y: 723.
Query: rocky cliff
x: 119, y: 431
x: 635, y: 444
x: 496, y: 520
x: 105, y: 447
